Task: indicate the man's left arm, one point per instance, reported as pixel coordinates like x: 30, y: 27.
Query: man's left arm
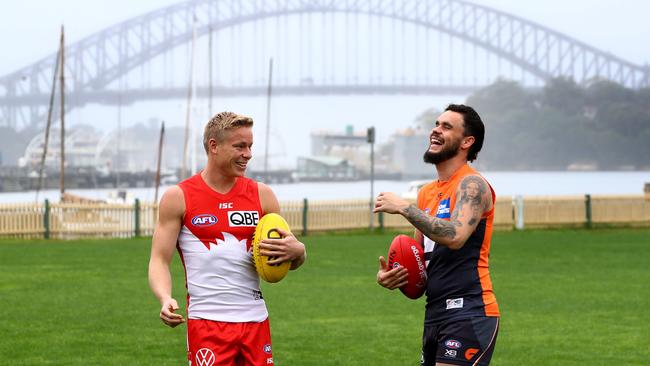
x: 473, y: 199
x: 289, y: 248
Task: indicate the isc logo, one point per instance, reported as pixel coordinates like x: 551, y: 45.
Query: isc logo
x: 204, y: 220
x: 243, y: 218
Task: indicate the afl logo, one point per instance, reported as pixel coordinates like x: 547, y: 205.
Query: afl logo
x: 204, y: 220
x: 452, y: 343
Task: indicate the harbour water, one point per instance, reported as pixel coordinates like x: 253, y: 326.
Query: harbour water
x: 504, y: 183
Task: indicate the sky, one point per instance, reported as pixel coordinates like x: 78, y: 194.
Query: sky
x: 29, y: 31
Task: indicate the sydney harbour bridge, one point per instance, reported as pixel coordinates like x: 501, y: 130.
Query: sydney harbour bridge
x: 318, y: 47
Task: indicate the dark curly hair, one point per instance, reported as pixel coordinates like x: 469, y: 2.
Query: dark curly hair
x: 473, y: 126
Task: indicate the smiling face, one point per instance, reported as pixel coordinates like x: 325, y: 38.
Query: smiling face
x: 231, y: 155
x: 446, y: 138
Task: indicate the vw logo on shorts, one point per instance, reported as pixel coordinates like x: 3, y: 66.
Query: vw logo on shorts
x: 204, y: 357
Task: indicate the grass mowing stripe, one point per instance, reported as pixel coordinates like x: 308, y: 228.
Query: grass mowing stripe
x: 569, y: 297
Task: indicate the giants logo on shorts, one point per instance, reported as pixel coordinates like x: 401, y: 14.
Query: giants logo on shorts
x: 204, y: 357
x: 243, y: 218
x: 470, y: 353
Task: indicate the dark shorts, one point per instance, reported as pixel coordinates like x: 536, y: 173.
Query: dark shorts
x: 460, y: 342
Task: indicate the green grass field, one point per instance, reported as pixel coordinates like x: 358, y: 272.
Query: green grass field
x: 566, y: 297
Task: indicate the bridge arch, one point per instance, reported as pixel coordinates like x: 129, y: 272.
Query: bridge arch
x: 102, y: 58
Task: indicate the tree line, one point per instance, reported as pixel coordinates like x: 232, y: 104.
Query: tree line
x: 600, y: 125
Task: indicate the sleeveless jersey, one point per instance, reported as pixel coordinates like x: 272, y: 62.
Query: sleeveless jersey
x: 215, y: 247
x: 458, y: 285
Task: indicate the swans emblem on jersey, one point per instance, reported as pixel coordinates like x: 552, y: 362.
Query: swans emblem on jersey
x: 229, y: 242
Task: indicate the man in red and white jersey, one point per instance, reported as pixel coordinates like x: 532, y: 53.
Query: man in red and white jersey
x: 210, y: 219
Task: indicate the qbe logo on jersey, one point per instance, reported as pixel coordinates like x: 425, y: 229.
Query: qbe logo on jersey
x: 243, y: 218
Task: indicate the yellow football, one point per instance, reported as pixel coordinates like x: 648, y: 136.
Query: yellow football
x: 267, y: 228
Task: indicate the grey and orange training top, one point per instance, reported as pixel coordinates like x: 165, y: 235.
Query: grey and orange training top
x: 458, y: 281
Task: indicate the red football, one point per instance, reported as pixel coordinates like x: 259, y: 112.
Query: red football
x: 404, y: 251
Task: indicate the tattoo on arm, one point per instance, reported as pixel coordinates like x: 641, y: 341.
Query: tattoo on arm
x: 430, y: 226
x: 472, y: 192
x: 473, y: 202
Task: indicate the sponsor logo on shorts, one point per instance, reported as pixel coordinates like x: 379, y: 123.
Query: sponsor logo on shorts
x: 267, y: 348
x: 455, y: 303
x: 204, y: 357
x: 269, y: 361
x: 470, y: 353
x: 243, y: 218
x: 452, y: 343
x: 450, y: 353
x: 204, y: 220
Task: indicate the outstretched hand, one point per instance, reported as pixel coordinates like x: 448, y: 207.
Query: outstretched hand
x: 168, y: 313
x: 391, y: 278
x: 391, y: 203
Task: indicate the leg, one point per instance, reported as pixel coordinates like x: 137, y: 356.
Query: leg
x: 256, y: 344
x: 211, y: 343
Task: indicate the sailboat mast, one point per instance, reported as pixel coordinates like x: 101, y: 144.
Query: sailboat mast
x: 189, y: 103
x: 268, y: 121
x: 49, y: 123
x: 210, y: 112
x: 160, y: 145
x: 62, y: 83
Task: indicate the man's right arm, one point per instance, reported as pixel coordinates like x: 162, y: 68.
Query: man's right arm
x: 170, y: 216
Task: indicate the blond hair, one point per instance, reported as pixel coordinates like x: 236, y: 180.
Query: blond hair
x: 222, y: 122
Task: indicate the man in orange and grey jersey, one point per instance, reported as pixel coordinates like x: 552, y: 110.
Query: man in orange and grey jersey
x: 453, y: 221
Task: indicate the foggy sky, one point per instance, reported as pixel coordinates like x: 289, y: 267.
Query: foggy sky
x: 27, y: 35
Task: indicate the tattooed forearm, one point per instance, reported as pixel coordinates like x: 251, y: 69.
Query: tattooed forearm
x: 431, y: 226
x: 473, y: 198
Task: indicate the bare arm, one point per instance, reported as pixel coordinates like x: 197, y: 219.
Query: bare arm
x: 286, y: 249
x: 474, y: 198
x: 171, y: 210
